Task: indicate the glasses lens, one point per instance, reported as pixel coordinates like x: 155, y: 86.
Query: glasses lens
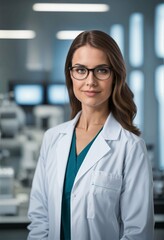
x: 79, y: 73
x: 102, y: 73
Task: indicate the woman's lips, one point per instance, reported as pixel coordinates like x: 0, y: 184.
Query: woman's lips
x: 91, y: 93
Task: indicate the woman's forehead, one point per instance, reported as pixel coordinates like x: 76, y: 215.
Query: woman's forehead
x: 87, y: 54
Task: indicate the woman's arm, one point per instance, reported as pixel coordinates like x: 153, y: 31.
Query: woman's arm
x: 137, y: 208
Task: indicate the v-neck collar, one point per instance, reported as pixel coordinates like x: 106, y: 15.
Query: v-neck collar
x: 86, y: 148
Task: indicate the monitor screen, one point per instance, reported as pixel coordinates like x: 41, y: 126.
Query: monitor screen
x: 57, y: 94
x: 28, y: 94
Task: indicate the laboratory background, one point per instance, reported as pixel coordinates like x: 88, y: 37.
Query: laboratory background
x: 34, y: 39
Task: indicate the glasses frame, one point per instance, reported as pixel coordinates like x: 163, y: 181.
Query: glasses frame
x: 91, y: 70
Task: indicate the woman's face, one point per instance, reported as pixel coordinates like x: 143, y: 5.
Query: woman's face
x: 91, y: 92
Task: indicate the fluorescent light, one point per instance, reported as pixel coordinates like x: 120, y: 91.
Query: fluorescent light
x: 17, y: 34
x: 136, y: 40
x: 159, y: 83
x: 137, y: 86
x: 70, y: 7
x: 159, y: 30
x: 66, y: 35
x: 117, y: 32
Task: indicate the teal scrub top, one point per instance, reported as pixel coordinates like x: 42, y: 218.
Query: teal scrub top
x: 73, y: 165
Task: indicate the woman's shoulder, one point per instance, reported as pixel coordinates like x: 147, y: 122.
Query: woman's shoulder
x: 131, y: 140
x: 52, y: 135
x: 58, y: 128
x: 113, y: 130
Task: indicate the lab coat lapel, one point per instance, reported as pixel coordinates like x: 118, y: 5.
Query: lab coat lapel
x: 100, y: 146
x: 98, y: 149
x: 63, y: 148
x: 62, y: 152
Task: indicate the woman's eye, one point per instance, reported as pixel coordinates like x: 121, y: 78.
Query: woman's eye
x: 102, y: 70
x: 81, y: 70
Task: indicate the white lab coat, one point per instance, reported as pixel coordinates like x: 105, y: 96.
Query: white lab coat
x: 112, y: 195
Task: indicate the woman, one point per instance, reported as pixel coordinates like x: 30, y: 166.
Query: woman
x: 93, y: 180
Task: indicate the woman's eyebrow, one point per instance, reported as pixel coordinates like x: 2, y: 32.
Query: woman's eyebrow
x: 99, y: 65
x: 79, y: 65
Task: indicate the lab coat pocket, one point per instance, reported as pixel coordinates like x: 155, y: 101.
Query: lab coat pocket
x: 104, y: 194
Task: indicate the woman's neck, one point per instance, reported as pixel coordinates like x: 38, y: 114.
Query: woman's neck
x: 90, y: 119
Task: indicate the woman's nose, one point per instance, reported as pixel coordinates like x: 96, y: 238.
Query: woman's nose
x: 90, y: 80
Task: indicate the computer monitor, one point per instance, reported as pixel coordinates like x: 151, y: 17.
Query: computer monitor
x: 28, y: 94
x: 57, y: 94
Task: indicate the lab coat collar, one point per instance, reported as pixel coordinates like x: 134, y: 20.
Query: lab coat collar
x: 111, y: 129
x: 71, y: 125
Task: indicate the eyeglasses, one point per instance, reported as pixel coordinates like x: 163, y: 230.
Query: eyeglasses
x: 99, y: 72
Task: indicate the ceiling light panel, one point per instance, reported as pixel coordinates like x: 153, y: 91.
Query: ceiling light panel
x: 71, y: 7
x: 17, y: 34
x: 66, y: 35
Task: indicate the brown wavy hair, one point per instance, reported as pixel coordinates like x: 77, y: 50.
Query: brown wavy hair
x: 121, y: 102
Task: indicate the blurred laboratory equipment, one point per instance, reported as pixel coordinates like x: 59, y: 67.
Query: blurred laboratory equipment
x: 8, y: 202
x: 159, y: 91
x: 12, y: 120
x: 6, y: 182
x: 30, y: 152
x: 48, y: 116
x: 151, y: 154
x: 44, y: 117
x: 19, y: 148
x: 12, y: 117
x: 158, y: 184
x: 158, y: 175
